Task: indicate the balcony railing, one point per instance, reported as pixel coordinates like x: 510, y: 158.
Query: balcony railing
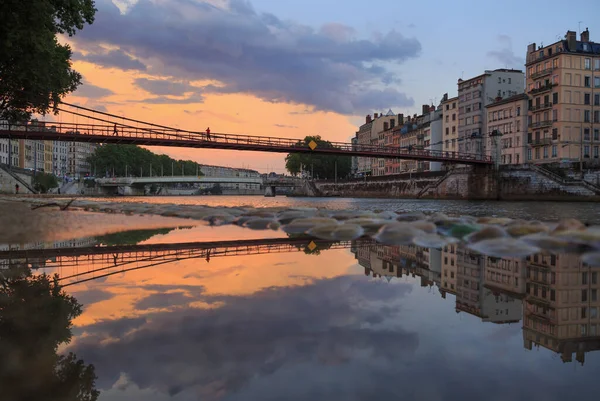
x: 541, y: 142
x: 542, y: 73
x: 542, y: 106
x: 541, y: 89
x: 541, y: 124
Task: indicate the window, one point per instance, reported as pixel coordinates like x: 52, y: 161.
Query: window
x: 587, y: 64
x: 587, y: 82
x: 586, y: 116
x: 587, y: 98
x: 596, y: 134
x: 545, y: 152
x: 528, y: 153
x: 555, y: 133
x: 596, y: 150
x: 518, y: 111
x: 597, y: 82
x: 554, y: 151
x: 597, y: 64
x: 586, y: 134
x: 596, y: 100
x: 586, y: 151
x: 554, y: 115
x: 597, y: 116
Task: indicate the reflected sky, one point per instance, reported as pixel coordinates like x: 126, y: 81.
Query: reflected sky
x: 358, y: 321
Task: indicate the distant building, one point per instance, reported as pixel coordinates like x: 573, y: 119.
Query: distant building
x: 450, y: 123
x: 221, y: 171
x: 354, y: 160
x: 476, y: 93
x: 60, y: 158
x: 79, y: 153
x: 507, y: 129
x: 563, y: 83
x: 372, y: 133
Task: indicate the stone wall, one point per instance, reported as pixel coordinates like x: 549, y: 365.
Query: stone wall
x: 8, y: 181
x: 480, y: 183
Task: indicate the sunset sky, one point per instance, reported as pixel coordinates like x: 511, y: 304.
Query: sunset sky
x: 292, y: 68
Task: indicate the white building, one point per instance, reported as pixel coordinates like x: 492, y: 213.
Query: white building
x: 435, y: 136
x: 476, y: 93
x: 77, y: 158
x: 372, y: 133
x: 9, y: 148
x: 221, y: 171
x: 60, y: 158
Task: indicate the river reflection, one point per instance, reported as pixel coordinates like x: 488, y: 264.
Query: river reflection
x: 189, y: 314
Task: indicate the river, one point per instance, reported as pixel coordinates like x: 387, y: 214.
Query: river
x: 228, y: 313
x: 548, y: 211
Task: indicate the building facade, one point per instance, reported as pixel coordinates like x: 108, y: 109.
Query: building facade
x: 450, y: 123
x: 476, y: 93
x: 373, y: 133
x: 507, y: 129
x: 563, y: 83
x: 221, y: 171
x: 60, y: 158
x: 79, y: 153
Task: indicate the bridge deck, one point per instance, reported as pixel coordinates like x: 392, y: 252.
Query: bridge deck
x: 105, y: 133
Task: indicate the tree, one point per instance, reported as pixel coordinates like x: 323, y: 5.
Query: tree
x: 323, y: 166
x: 133, y: 161
x: 35, y: 69
x: 42, y: 182
x: 35, y: 318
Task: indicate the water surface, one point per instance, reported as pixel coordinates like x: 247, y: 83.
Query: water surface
x: 232, y: 314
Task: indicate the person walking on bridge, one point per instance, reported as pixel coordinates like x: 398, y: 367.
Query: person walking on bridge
x: 208, y: 134
x: 115, y: 132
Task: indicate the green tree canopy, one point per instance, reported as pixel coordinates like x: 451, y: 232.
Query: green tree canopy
x: 322, y: 165
x: 43, y: 182
x: 35, y: 318
x: 119, y: 158
x: 35, y: 69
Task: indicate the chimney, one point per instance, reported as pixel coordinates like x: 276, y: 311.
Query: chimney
x: 386, y: 126
x: 431, y: 108
x: 571, y: 37
x: 425, y: 109
x: 531, y: 48
x: 498, y: 98
x: 400, y: 119
x: 585, y: 36
x: 368, y: 119
x: 375, y: 115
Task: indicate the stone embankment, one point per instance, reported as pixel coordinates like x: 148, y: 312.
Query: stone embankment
x: 509, y: 183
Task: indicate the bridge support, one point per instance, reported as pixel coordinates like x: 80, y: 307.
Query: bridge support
x: 270, y: 191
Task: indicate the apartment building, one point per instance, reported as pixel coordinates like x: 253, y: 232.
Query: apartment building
x: 563, y: 83
x: 476, y: 93
x: 562, y: 306
x: 354, y: 160
x: 507, y: 129
x: 373, y: 133
x: 79, y: 153
x: 434, y: 135
x: 31, y: 154
x: 9, y: 148
x: 60, y: 158
x: 48, y: 156
x: 450, y: 123
x: 221, y: 171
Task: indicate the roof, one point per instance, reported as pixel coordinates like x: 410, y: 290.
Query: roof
x: 520, y: 96
x: 593, y: 48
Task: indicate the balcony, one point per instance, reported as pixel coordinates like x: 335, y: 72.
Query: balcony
x: 542, y: 73
x: 541, y: 89
x: 541, y: 124
x: 542, y: 106
x: 541, y: 142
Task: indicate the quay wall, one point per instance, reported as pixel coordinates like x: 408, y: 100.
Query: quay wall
x: 474, y: 183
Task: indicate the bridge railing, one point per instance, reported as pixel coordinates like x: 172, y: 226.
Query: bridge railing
x: 96, y: 132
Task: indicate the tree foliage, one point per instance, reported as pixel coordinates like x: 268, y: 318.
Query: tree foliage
x: 42, y: 182
x: 35, y: 69
x: 35, y: 318
x: 323, y: 166
x: 119, y: 158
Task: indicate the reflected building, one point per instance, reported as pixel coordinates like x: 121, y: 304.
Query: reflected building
x: 561, y: 306
x: 556, y: 296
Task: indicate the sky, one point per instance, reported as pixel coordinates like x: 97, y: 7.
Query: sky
x: 286, y: 68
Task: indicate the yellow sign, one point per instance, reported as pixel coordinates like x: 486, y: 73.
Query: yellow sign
x: 312, y: 246
x: 312, y: 145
